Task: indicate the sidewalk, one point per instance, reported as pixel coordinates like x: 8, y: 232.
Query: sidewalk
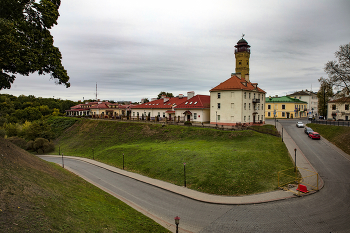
x: 302, y: 162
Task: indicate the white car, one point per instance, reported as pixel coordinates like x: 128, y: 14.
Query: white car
x: 300, y: 124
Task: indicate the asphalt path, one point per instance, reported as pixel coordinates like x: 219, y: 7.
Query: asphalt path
x: 325, y: 211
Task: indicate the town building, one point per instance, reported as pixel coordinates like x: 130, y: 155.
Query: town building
x: 194, y: 108
x: 310, y: 98
x: 285, y: 107
x: 237, y: 100
x: 99, y: 110
x: 338, y: 109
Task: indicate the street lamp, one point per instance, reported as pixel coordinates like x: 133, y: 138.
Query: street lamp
x: 295, y: 160
x: 177, y: 220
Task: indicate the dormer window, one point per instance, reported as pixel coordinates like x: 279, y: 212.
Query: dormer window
x: 195, y: 102
x: 186, y: 103
x: 190, y: 103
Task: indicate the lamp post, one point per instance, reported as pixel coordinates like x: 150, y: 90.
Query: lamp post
x: 216, y: 118
x: 123, y: 161
x: 185, y: 174
x: 295, y: 159
x: 93, y: 154
x: 177, y: 220
x: 62, y: 161
x: 282, y: 134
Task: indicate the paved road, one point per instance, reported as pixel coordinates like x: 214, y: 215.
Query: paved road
x: 326, y: 211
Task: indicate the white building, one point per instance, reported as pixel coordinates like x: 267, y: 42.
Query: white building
x: 310, y: 98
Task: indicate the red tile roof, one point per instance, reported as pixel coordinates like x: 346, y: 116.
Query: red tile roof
x: 198, y: 101
x: 235, y: 83
x: 173, y: 101
x: 341, y: 100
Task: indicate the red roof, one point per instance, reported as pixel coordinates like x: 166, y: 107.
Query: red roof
x: 198, y: 101
x: 341, y: 100
x: 235, y: 83
x: 173, y: 101
x: 100, y: 106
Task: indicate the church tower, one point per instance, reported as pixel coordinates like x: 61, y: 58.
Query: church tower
x: 242, y: 54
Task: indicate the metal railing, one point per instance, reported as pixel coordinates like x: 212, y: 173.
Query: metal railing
x: 333, y: 123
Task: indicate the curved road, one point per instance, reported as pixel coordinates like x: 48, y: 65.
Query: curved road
x: 326, y: 211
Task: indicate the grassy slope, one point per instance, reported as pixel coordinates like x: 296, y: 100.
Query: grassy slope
x: 218, y: 162
x: 338, y: 135
x: 37, y: 196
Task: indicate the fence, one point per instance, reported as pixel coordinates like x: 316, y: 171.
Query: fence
x: 334, y: 123
x: 289, y: 179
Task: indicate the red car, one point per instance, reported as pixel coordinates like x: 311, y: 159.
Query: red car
x: 314, y: 135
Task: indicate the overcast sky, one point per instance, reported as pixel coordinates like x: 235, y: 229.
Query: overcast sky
x: 134, y: 49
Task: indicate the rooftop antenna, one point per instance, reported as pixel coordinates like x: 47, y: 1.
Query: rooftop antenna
x: 96, y: 91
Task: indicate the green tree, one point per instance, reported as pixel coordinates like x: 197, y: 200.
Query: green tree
x: 26, y: 44
x: 339, y: 71
x: 167, y: 94
x: 323, y: 95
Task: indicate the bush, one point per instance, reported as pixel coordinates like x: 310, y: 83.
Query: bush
x: 2, y: 133
x: 30, y: 145
x: 42, y: 145
x: 20, y: 142
x: 12, y: 129
x: 188, y: 123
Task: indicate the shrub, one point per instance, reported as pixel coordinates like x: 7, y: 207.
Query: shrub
x: 30, y: 145
x: 42, y: 145
x: 11, y: 129
x: 2, y: 133
x: 20, y: 142
x: 188, y: 123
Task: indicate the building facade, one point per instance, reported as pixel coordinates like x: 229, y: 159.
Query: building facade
x: 237, y: 100
x: 310, y: 98
x: 285, y: 107
x: 339, y: 109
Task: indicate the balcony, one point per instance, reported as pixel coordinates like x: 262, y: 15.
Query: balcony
x: 256, y: 101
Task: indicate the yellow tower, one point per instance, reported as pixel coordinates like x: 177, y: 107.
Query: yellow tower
x: 242, y: 54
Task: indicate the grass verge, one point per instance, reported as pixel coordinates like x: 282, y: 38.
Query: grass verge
x: 217, y: 162
x: 37, y: 196
x: 338, y: 135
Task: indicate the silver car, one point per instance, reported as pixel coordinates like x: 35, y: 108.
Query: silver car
x: 300, y: 124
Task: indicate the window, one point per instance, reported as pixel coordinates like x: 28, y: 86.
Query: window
x: 133, y: 114
x: 269, y: 106
x: 249, y: 118
x: 333, y: 107
x: 219, y: 95
x: 283, y: 114
x: 158, y: 114
x: 186, y: 103
x: 249, y: 95
x: 195, y: 116
x: 268, y: 114
x: 346, y: 107
x: 195, y: 102
x: 245, y: 95
x: 163, y: 114
x: 262, y: 107
x: 283, y: 106
x: 219, y: 105
x: 232, y: 105
x: 249, y: 106
x: 218, y: 117
x: 245, y: 106
x: 244, y: 118
x: 254, y: 95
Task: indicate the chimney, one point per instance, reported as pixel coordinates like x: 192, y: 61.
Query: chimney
x: 166, y: 99
x: 190, y: 94
x: 153, y: 99
x: 181, y: 96
x: 163, y: 96
x: 246, y: 77
x: 255, y: 85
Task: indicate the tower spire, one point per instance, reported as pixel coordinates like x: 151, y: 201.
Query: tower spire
x: 242, y: 54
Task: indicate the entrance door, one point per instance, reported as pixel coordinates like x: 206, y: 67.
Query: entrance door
x: 287, y: 114
x: 188, y: 117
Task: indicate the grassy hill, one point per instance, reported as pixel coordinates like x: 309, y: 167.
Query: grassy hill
x: 217, y: 162
x: 338, y: 135
x: 37, y: 196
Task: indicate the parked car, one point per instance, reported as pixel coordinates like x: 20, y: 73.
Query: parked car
x: 314, y: 135
x: 308, y: 130
x: 300, y: 124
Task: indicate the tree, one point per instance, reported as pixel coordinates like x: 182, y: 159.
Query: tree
x: 167, y: 94
x: 339, y: 71
x: 26, y: 44
x: 323, y: 95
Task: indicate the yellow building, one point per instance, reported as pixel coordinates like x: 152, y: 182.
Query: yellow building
x: 242, y: 55
x: 285, y: 107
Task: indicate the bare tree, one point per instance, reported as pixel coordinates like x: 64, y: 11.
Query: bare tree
x: 339, y: 71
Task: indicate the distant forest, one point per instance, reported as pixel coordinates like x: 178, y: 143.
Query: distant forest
x: 30, y: 108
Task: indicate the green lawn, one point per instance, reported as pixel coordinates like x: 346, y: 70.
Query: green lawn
x: 37, y: 196
x: 217, y: 162
x: 338, y: 135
